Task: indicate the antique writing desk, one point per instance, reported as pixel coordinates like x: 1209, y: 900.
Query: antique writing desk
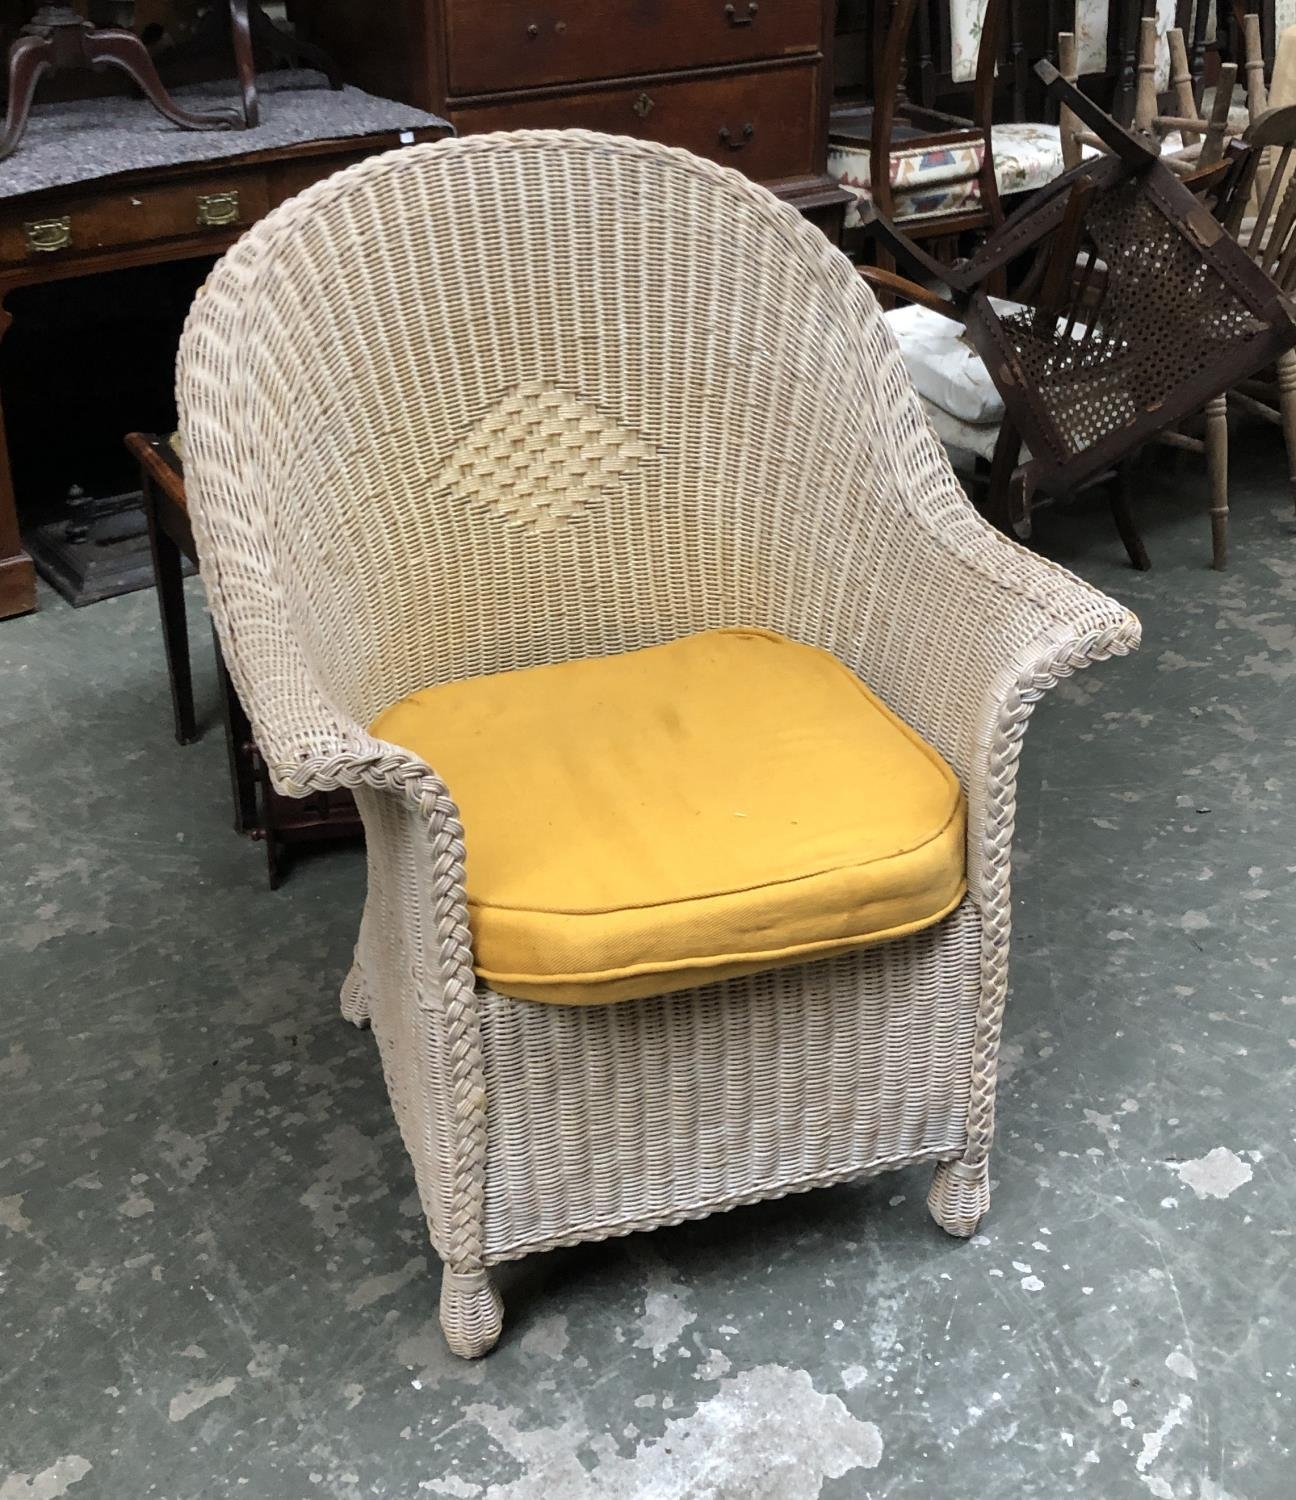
x: 104, y: 184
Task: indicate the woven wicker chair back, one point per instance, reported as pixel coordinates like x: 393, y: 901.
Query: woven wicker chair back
x: 515, y: 399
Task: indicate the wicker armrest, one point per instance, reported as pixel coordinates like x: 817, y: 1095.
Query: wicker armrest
x: 331, y: 752
x: 976, y: 629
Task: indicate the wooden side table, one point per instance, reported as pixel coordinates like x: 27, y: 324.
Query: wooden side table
x: 259, y: 811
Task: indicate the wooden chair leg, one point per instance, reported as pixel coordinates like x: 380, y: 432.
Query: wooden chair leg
x: 238, y: 749
x: 981, y: 484
x: 168, y: 578
x: 1119, y: 493
x: 1001, y: 509
x: 1217, y: 461
x: 1287, y: 406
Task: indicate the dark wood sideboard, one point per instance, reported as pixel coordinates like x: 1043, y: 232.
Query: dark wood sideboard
x: 745, y: 82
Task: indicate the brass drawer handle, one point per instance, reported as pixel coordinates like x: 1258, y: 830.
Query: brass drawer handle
x: 45, y: 235
x: 727, y: 136
x: 734, y: 19
x: 215, y: 210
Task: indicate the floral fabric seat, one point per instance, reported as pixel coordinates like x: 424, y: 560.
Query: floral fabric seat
x: 931, y: 181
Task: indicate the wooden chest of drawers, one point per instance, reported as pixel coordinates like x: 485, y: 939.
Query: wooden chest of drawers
x: 745, y: 82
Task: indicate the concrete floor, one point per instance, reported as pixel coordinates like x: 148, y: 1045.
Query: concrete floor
x: 213, y: 1274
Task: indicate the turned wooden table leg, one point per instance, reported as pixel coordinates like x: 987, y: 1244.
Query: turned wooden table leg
x: 1287, y: 406
x: 29, y: 59
x: 1217, y: 461
x: 245, y: 60
x: 124, y: 50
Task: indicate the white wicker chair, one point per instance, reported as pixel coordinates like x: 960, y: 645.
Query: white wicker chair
x: 339, y: 352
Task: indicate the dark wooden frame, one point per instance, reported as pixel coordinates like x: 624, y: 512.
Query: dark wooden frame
x: 259, y: 811
x: 893, y: 122
x: 1048, y: 225
x: 935, y: 61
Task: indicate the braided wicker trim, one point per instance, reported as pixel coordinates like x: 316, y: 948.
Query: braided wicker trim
x: 999, y: 821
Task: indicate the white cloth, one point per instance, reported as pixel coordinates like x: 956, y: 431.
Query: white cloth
x: 977, y: 438
x: 944, y: 367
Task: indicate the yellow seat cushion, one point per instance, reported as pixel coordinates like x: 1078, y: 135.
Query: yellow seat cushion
x: 725, y: 803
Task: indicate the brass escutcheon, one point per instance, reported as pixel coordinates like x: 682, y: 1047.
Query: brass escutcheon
x: 217, y: 209
x: 44, y: 235
x: 643, y: 106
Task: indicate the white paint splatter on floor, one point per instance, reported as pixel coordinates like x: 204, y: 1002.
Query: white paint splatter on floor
x: 666, y: 1313
x: 11, y: 1214
x: 194, y: 1397
x: 715, y: 1364
x: 1178, y: 1363
x: 1153, y: 1442
x: 374, y: 1288
x: 548, y: 1337
x: 452, y: 1485
x: 50, y: 1483
x: 767, y: 1434
x: 1216, y: 1175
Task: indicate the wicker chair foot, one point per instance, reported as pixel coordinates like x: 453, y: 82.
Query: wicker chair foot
x: 355, y: 999
x: 472, y: 1312
x: 960, y: 1196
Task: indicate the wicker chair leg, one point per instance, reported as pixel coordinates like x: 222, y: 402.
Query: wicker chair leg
x: 472, y: 1312
x: 355, y: 998
x: 960, y: 1196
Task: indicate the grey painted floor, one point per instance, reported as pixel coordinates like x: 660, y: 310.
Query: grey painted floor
x: 213, y: 1274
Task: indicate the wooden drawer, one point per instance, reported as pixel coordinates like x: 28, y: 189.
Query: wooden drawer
x: 505, y: 45
x: 761, y: 122
x: 214, y: 207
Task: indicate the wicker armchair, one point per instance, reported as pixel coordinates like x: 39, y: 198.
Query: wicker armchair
x: 735, y: 443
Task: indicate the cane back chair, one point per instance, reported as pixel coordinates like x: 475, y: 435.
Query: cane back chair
x: 673, y: 408
x: 1144, y: 312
